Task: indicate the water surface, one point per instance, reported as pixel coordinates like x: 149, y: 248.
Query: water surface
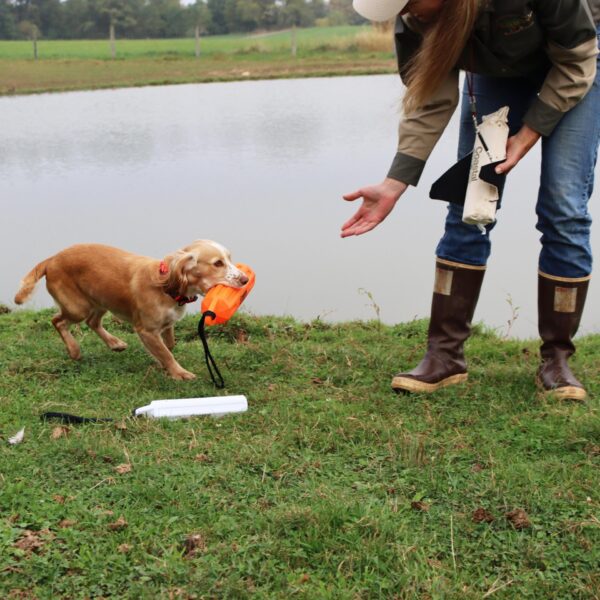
x: 261, y: 167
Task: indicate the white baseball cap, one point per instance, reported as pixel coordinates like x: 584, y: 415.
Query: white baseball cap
x: 379, y: 10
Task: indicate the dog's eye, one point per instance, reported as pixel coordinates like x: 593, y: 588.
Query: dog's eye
x: 218, y: 263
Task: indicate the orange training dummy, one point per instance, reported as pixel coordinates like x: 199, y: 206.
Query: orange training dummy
x: 223, y: 300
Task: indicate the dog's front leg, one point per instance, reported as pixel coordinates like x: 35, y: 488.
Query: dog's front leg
x: 168, y: 335
x: 156, y: 346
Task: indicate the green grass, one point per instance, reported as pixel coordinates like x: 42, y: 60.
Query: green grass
x: 280, y: 42
x: 315, y: 491
x: 86, y: 64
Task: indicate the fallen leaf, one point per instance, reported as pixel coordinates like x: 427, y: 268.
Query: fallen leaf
x: 58, y: 499
x: 60, y: 431
x: 124, y: 468
x: 481, y: 515
x: 32, y: 541
x: 518, y: 518
x: 121, y: 425
x: 241, y: 336
x: 124, y: 548
x: 592, y: 449
x: 201, y: 457
x: 66, y: 523
x: 304, y: 578
x: 423, y: 506
x: 17, y: 438
x: 120, y: 523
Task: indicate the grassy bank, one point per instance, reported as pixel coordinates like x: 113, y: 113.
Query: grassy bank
x: 329, y: 486
x: 87, y: 64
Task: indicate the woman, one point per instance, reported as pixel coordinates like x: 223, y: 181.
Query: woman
x: 540, y: 58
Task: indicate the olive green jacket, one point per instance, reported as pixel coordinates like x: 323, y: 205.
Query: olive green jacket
x: 511, y: 38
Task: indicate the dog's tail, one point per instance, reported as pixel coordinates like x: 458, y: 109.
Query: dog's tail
x: 29, y: 281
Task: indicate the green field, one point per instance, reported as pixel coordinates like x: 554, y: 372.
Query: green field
x: 308, y: 40
x: 329, y: 487
x: 83, y: 65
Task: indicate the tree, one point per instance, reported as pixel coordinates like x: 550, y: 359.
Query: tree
x: 116, y: 13
x: 8, y: 25
x: 296, y: 12
x: 199, y: 15
x: 31, y: 32
x: 78, y: 20
x: 341, y: 12
x: 218, y: 22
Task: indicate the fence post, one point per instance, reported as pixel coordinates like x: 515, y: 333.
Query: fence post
x: 294, y: 44
x: 113, y: 51
x: 197, y: 41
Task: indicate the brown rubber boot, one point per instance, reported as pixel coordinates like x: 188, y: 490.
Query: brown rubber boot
x: 455, y: 295
x: 560, y: 306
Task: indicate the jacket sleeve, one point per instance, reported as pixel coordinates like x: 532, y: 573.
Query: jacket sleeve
x: 572, y: 47
x: 420, y: 131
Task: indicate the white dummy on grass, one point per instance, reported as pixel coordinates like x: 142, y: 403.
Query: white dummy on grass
x: 189, y: 407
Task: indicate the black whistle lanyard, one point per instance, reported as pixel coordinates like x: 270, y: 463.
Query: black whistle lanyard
x: 72, y: 419
x: 211, y: 365
x: 473, y: 109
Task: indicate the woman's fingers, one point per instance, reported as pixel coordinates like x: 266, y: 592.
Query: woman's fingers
x: 353, y: 196
x: 361, y: 225
x: 351, y: 221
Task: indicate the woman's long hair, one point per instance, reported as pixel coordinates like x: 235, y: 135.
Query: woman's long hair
x: 443, y: 42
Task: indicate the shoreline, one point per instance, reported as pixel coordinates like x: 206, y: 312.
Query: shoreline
x: 27, y: 77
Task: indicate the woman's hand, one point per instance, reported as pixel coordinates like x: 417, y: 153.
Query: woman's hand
x: 378, y: 202
x: 517, y: 147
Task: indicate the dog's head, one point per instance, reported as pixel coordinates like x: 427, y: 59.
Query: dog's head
x: 200, y: 266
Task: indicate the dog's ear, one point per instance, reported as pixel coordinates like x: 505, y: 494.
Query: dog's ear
x: 179, y: 266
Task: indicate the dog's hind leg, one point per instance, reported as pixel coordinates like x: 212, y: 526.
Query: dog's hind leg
x: 62, y: 323
x: 94, y: 321
x: 74, y: 307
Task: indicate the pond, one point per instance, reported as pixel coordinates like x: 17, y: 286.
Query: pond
x: 261, y: 167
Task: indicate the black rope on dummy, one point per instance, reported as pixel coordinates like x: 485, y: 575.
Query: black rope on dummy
x: 72, y: 419
x: 210, y: 361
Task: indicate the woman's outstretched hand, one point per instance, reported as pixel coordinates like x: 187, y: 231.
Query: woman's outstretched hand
x: 378, y: 202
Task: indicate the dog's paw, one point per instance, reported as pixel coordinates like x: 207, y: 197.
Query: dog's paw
x: 74, y: 352
x: 118, y: 346
x: 182, y: 375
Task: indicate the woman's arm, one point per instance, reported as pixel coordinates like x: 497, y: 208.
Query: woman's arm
x: 572, y: 47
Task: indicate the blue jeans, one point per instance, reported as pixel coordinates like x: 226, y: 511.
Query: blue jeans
x: 567, y: 178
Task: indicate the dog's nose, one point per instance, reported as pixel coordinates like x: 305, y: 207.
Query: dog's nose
x: 243, y: 279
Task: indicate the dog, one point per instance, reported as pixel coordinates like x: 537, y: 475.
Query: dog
x: 87, y: 280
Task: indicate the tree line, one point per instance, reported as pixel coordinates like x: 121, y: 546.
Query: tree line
x: 92, y: 19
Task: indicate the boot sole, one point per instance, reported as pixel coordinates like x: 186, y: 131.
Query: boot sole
x: 567, y: 392
x: 406, y: 384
